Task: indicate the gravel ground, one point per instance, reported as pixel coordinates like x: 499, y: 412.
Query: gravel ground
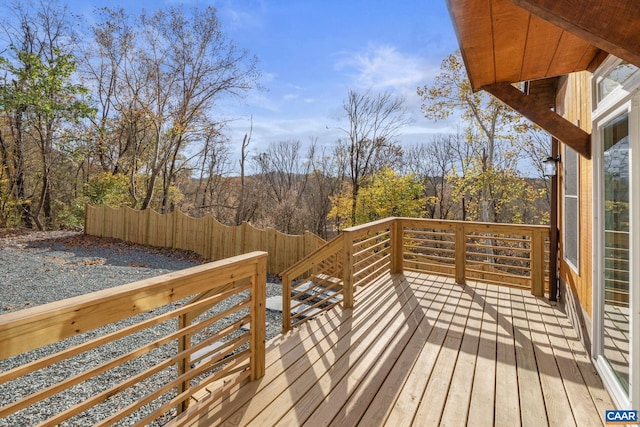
x: 41, y: 267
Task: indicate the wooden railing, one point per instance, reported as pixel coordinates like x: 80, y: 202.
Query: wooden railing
x: 205, y: 235
x: 503, y: 254
x: 153, y: 343
x: 314, y: 285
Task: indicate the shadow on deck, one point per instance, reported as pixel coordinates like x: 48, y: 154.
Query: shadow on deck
x: 421, y: 350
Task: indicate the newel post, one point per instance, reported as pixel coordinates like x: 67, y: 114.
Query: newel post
x: 397, y: 246
x: 461, y: 254
x: 347, y: 279
x: 537, y: 263
x: 258, y: 319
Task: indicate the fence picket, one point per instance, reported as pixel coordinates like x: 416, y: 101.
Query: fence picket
x: 205, y: 236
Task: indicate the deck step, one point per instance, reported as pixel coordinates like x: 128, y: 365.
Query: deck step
x: 302, y: 307
x: 304, y: 291
x: 275, y: 304
x: 310, y: 288
x: 209, y: 351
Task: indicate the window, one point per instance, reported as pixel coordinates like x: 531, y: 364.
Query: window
x: 615, y: 78
x: 570, y: 238
x: 616, y: 133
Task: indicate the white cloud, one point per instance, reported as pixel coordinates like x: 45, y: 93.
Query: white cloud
x: 238, y: 16
x: 385, y: 68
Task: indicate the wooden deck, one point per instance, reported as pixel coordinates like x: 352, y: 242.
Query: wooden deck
x: 420, y: 350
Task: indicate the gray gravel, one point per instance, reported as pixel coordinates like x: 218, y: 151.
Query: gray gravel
x: 44, y: 267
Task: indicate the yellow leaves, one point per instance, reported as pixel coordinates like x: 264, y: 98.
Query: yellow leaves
x: 109, y: 189
x: 512, y: 197
x: 387, y: 194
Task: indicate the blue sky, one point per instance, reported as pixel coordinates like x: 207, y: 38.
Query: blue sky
x: 312, y: 52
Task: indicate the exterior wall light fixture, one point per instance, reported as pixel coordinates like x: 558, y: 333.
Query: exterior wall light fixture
x: 551, y: 165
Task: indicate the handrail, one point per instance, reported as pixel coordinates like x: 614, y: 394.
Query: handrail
x: 206, y: 346
x: 319, y: 254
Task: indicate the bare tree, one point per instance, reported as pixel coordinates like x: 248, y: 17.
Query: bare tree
x: 374, y: 121
x: 159, y: 77
x: 434, y: 162
x: 322, y: 183
x: 213, y: 194
x: 536, y: 146
x: 284, y: 170
x: 243, y: 213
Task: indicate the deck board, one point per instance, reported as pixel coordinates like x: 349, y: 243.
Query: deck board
x: 381, y: 381
x: 414, y: 365
x: 507, y: 396
x: 457, y: 402
x: 555, y: 397
x: 421, y: 350
x: 583, y: 408
x: 481, y: 406
x: 532, y: 404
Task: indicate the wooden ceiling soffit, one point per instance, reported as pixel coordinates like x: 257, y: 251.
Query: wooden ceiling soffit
x: 556, y: 125
x: 611, y: 25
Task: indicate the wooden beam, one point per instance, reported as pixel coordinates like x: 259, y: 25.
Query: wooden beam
x: 611, y: 25
x: 550, y: 121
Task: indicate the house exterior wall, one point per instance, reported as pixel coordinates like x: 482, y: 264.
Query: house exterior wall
x: 573, y: 102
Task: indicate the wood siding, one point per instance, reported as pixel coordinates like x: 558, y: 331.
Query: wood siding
x: 574, y: 103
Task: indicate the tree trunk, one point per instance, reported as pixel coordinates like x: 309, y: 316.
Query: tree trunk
x: 149, y: 194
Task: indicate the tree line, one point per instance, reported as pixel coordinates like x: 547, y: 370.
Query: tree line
x: 124, y: 111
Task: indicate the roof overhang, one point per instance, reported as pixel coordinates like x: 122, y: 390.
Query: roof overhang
x: 509, y: 41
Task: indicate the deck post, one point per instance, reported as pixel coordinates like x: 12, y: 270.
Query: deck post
x: 347, y: 279
x: 461, y: 254
x: 537, y: 263
x: 259, y: 319
x: 184, y: 343
x: 397, y: 246
x: 286, y: 303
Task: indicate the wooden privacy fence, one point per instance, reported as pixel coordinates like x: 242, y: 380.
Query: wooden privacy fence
x: 511, y: 255
x: 153, y: 344
x: 205, y: 235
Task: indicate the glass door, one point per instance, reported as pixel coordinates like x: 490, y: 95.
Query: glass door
x: 616, y: 247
